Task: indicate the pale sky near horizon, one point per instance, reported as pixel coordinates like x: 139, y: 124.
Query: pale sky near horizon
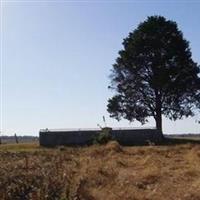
x: 56, y: 58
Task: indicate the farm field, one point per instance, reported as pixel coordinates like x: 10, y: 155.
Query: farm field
x: 109, y: 172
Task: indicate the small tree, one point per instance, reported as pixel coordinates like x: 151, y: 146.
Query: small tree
x: 154, y: 75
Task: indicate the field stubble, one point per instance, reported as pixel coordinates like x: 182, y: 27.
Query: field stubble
x: 100, y: 172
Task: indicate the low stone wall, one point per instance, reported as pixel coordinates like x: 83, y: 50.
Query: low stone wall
x: 70, y: 138
x: 137, y: 137
x: 86, y: 137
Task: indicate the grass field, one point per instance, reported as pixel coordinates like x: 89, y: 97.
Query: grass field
x: 107, y: 172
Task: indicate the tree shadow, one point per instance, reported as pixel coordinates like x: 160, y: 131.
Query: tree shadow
x: 171, y: 140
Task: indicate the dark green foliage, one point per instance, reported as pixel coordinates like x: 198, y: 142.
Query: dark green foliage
x: 155, y: 74
x: 104, y: 136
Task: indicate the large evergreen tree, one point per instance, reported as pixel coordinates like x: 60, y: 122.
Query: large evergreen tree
x: 155, y: 75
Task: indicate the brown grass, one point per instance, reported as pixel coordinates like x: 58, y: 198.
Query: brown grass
x: 108, y: 172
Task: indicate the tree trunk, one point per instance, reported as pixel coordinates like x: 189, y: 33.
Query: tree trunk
x: 159, y: 121
x: 158, y: 117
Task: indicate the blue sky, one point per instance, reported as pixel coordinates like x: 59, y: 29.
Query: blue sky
x: 56, y: 58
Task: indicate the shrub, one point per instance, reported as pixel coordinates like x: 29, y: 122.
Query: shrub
x: 104, y: 136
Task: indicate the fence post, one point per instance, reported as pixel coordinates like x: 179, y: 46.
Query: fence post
x: 16, y: 138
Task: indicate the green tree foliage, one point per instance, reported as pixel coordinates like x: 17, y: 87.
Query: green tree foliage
x: 155, y: 75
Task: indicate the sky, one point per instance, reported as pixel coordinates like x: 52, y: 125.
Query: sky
x: 56, y: 58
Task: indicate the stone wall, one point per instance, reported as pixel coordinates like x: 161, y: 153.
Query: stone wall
x: 137, y: 136
x: 70, y: 138
x: 85, y: 137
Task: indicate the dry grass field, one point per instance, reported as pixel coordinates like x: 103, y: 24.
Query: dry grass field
x: 107, y: 172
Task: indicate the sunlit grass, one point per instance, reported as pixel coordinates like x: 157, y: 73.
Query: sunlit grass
x: 20, y: 147
x: 100, y: 172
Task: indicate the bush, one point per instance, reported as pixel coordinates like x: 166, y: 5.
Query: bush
x: 104, y: 136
